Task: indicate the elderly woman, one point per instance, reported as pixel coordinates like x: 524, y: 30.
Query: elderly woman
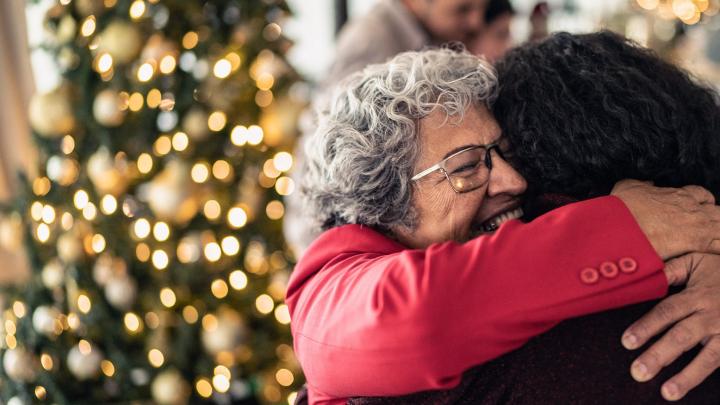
x: 423, y: 270
x: 580, y: 113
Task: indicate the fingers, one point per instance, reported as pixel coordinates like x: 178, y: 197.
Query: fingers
x: 677, y: 270
x: 681, y: 338
x: 700, y: 194
x: 664, y: 314
x: 706, y: 362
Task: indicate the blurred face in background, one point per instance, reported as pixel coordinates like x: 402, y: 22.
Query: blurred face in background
x: 495, y: 40
x: 449, y: 20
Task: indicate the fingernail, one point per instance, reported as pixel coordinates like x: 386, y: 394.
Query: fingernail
x: 671, y: 392
x: 629, y: 340
x: 639, y: 372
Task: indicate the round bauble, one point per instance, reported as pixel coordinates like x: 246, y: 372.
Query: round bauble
x: 108, y: 108
x: 51, y: 114
x: 20, y: 365
x: 53, y: 274
x: 170, y: 388
x: 84, y: 366
x: 69, y: 248
x: 195, y: 124
x: 172, y: 195
x: 229, y: 332
x: 121, y: 292
x: 122, y: 40
x: 105, y: 174
x: 62, y: 170
x: 44, y: 319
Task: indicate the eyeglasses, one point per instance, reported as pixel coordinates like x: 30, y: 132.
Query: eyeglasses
x: 466, y: 170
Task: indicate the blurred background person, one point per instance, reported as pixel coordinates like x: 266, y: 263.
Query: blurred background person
x: 496, y: 38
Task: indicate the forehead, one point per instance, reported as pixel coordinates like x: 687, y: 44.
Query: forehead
x: 440, y: 134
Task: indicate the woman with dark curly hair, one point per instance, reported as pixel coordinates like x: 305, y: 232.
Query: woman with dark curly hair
x: 582, y: 112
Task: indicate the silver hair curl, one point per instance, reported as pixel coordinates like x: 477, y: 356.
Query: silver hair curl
x: 362, y: 156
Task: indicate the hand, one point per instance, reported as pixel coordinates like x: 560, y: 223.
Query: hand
x: 675, y: 220
x: 696, y: 314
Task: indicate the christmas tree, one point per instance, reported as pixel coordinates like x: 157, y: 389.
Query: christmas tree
x: 154, y: 227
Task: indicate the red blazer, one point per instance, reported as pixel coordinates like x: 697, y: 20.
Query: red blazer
x: 371, y: 317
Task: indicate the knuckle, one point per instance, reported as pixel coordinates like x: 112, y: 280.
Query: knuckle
x: 711, y: 357
x: 681, y: 335
x: 666, y: 310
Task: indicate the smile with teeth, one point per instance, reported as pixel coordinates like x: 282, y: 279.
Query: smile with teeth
x: 494, y: 223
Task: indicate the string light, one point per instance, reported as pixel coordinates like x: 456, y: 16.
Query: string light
x: 40, y: 392
x: 219, y: 288
x: 255, y: 135
x: 88, y: 26
x: 190, y: 314
x: 212, y: 209
x: 154, y: 97
x: 43, y: 233
x: 107, y: 367
x: 212, y: 252
x: 136, y: 101
x: 221, y: 169
x: 84, y: 304
x: 98, y: 243
x: 167, y: 64
x: 239, y: 135
x: 108, y: 204
x: 156, y: 358
x: 160, y: 259
x: 133, y: 323
x: 81, y: 199
x: 145, y: 163
x: 221, y: 383
x: 137, y: 9
x: 161, y: 231
x: 145, y: 72
x: 142, y: 251
x: 67, y: 221
x: 180, y: 141
x: 283, y: 161
x: 47, y: 362
x: 270, y: 170
x: 230, y: 245
x: 265, y: 81
x: 104, y: 62
x: 275, y: 209
x: 41, y: 186
x: 264, y: 304
x: 282, y: 314
x: 284, y: 377
x: 203, y: 387
x: 285, y: 186
x: 142, y: 228
x: 190, y: 40
x: 222, y: 68
x: 238, y: 280
x: 237, y: 217
x: 167, y: 297
x: 217, y: 121
x: 89, y: 212
x: 200, y: 172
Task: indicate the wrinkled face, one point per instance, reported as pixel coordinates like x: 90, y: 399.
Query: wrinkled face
x: 450, y: 20
x: 495, y: 40
x: 445, y: 215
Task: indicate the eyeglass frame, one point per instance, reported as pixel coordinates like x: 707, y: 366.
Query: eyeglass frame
x: 441, y: 164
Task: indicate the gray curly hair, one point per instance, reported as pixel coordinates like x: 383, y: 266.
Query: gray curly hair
x: 362, y: 156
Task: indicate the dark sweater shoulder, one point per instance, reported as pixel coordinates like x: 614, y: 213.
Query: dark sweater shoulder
x: 580, y: 361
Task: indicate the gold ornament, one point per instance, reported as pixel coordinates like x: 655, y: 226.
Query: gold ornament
x: 69, y: 248
x: 195, y: 124
x: 226, y: 334
x: 107, y: 174
x: 51, y: 114
x: 62, y: 170
x: 122, y: 40
x: 20, y: 365
x: 44, y: 319
x: 108, y: 108
x: 170, y: 388
x: 172, y: 195
x: 121, y: 292
x: 157, y: 47
x: 84, y: 361
x: 53, y: 274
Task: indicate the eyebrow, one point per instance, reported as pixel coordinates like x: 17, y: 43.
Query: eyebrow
x: 459, y: 148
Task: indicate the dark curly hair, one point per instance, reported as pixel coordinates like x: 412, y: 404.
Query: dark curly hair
x: 585, y: 111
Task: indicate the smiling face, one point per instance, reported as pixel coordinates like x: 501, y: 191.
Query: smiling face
x: 443, y: 214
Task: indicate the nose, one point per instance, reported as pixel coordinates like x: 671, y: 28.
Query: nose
x: 504, y: 179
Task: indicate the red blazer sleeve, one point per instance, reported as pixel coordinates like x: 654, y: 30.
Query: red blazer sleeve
x: 370, y: 324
